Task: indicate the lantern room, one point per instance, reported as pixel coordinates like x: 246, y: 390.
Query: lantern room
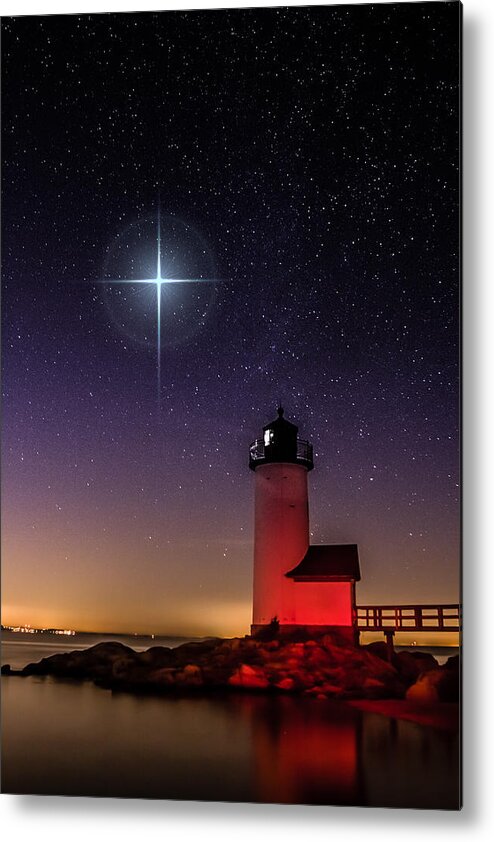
x: 280, y: 443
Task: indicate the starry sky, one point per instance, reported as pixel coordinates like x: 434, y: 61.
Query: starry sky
x: 305, y: 163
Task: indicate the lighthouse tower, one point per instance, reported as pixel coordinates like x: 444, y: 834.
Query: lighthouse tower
x: 281, y: 462
x: 295, y: 583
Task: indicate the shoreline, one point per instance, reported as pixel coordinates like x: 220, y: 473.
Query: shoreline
x: 326, y: 667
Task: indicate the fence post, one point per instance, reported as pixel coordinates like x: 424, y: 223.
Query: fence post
x: 389, y: 634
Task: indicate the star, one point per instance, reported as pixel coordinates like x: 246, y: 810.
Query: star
x: 159, y: 280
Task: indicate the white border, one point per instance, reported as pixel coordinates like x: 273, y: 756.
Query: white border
x: 53, y: 819
x: 44, y: 7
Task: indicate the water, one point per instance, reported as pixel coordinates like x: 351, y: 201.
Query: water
x: 440, y: 653
x: 19, y: 649
x: 72, y: 738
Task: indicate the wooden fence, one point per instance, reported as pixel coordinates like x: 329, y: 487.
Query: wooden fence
x: 416, y: 618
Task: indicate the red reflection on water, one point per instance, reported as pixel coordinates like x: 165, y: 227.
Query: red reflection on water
x: 70, y: 738
x: 303, y: 750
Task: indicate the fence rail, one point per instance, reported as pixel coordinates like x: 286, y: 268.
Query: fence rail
x: 391, y: 618
x: 258, y: 453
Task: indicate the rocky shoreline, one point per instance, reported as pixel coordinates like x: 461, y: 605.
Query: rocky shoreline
x: 328, y: 667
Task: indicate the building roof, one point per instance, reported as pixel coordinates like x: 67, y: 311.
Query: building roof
x: 281, y: 422
x: 328, y: 563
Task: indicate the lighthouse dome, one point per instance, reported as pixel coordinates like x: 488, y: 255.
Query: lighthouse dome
x: 280, y: 443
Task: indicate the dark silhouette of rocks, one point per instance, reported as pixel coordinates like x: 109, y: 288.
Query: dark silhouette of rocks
x: 327, y: 667
x: 426, y: 681
x: 453, y: 663
x: 440, y: 685
x: 95, y: 662
x: 409, y: 665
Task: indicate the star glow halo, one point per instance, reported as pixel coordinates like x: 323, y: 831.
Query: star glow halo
x: 159, y: 283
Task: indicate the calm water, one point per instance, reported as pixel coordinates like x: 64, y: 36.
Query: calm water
x: 21, y: 649
x: 72, y: 738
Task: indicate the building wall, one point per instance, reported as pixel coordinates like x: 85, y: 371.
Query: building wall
x: 281, y: 538
x: 323, y: 603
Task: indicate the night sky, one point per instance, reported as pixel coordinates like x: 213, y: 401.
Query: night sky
x: 304, y: 159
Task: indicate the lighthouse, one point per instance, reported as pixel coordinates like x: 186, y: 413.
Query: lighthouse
x: 295, y: 584
x: 281, y: 462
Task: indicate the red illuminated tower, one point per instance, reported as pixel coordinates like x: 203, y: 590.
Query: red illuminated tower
x: 295, y: 583
x: 281, y: 462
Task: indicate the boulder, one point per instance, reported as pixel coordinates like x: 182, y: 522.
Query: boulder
x: 157, y: 656
x: 285, y: 684
x: 453, y: 663
x: 332, y: 691
x: 374, y: 689
x: 191, y: 676
x: 249, y: 678
x: 123, y: 668
x: 195, y: 650
x: 163, y: 678
x: 95, y: 662
x: 378, y: 648
x: 410, y: 665
x: 425, y: 690
x: 440, y: 685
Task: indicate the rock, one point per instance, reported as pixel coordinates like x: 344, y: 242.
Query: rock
x: 157, y: 656
x: 191, y: 676
x: 332, y: 691
x: 248, y: 677
x: 424, y: 690
x: 453, y: 663
x: 316, y: 655
x: 410, y: 665
x: 449, y: 687
x: 424, y: 659
x: 368, y: 666
x: 337, y: 639
x: 296, y: 649
x: 378, y: 648
x: 122, y: 668
x: 440, y: 685
x: 330, y: 665
x: 95, y: 662
x: 374, y: 689
x: 164, y: 677
x: 285, y: 684
x: 195, y: 650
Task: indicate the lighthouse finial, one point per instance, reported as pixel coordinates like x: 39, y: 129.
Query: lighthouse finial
x: 281, y: 411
